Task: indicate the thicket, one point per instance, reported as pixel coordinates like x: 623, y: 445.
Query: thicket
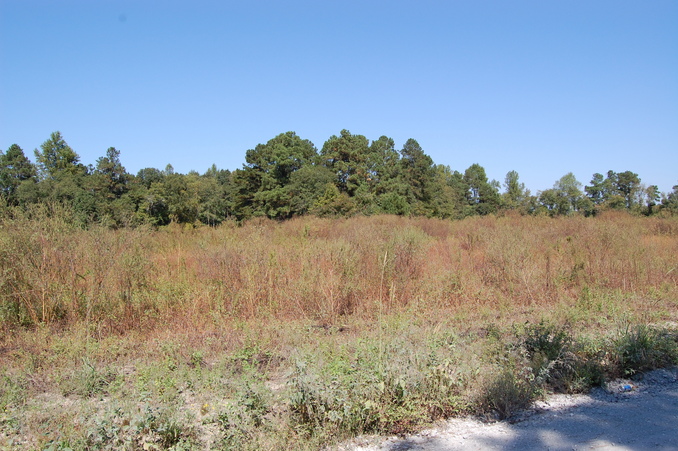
x: 289, y: 177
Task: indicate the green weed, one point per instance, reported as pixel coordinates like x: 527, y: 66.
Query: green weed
x: 641, y: 348
x: 507, y: 394
x: 88, y: 380
x: 558, y: 360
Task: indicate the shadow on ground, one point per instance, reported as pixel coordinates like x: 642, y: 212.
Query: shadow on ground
x: 644, y: 418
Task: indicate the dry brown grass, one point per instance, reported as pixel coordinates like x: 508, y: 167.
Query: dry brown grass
x: 324, y: 269
x: 131, y: 326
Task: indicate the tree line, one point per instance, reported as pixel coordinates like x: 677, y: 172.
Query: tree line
x: 288, y: 176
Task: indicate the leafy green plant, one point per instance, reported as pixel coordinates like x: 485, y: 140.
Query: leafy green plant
x: 643, y: 347
x: 241, y: 421
x: 197, y: 359
x: 548, y: 340
x: 159, y: 426
x: 88, y: 380
x: 335, y: 409
x: 558, y: 361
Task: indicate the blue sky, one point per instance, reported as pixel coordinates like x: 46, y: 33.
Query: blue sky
x: 540, y: 87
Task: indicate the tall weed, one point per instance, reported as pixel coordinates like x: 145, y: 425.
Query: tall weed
x: 54, y: 272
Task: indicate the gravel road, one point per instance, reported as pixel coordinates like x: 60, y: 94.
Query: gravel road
x: 626, y: 415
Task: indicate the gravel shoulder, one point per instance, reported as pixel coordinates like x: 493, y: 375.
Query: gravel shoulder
x: 625, y: 415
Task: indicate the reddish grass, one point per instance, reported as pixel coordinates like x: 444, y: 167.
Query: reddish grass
x: 323, y: 269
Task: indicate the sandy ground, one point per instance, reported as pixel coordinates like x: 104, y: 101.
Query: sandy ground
x: 626, y: 415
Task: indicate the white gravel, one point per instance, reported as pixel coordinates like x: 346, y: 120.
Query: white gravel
x: 625, y: 415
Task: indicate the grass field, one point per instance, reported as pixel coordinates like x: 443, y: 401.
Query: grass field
x: 300, y: 334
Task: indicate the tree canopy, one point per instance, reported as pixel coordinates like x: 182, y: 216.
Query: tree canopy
x: 287, y: 176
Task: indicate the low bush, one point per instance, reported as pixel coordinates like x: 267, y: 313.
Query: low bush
x: 558, y: 361
x: 642, y: 347
x: 507, y: 394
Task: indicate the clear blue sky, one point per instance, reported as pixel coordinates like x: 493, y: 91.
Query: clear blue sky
x: 540, y: 87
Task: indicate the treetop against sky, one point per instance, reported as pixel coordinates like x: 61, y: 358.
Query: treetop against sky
x: 537, y: 87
